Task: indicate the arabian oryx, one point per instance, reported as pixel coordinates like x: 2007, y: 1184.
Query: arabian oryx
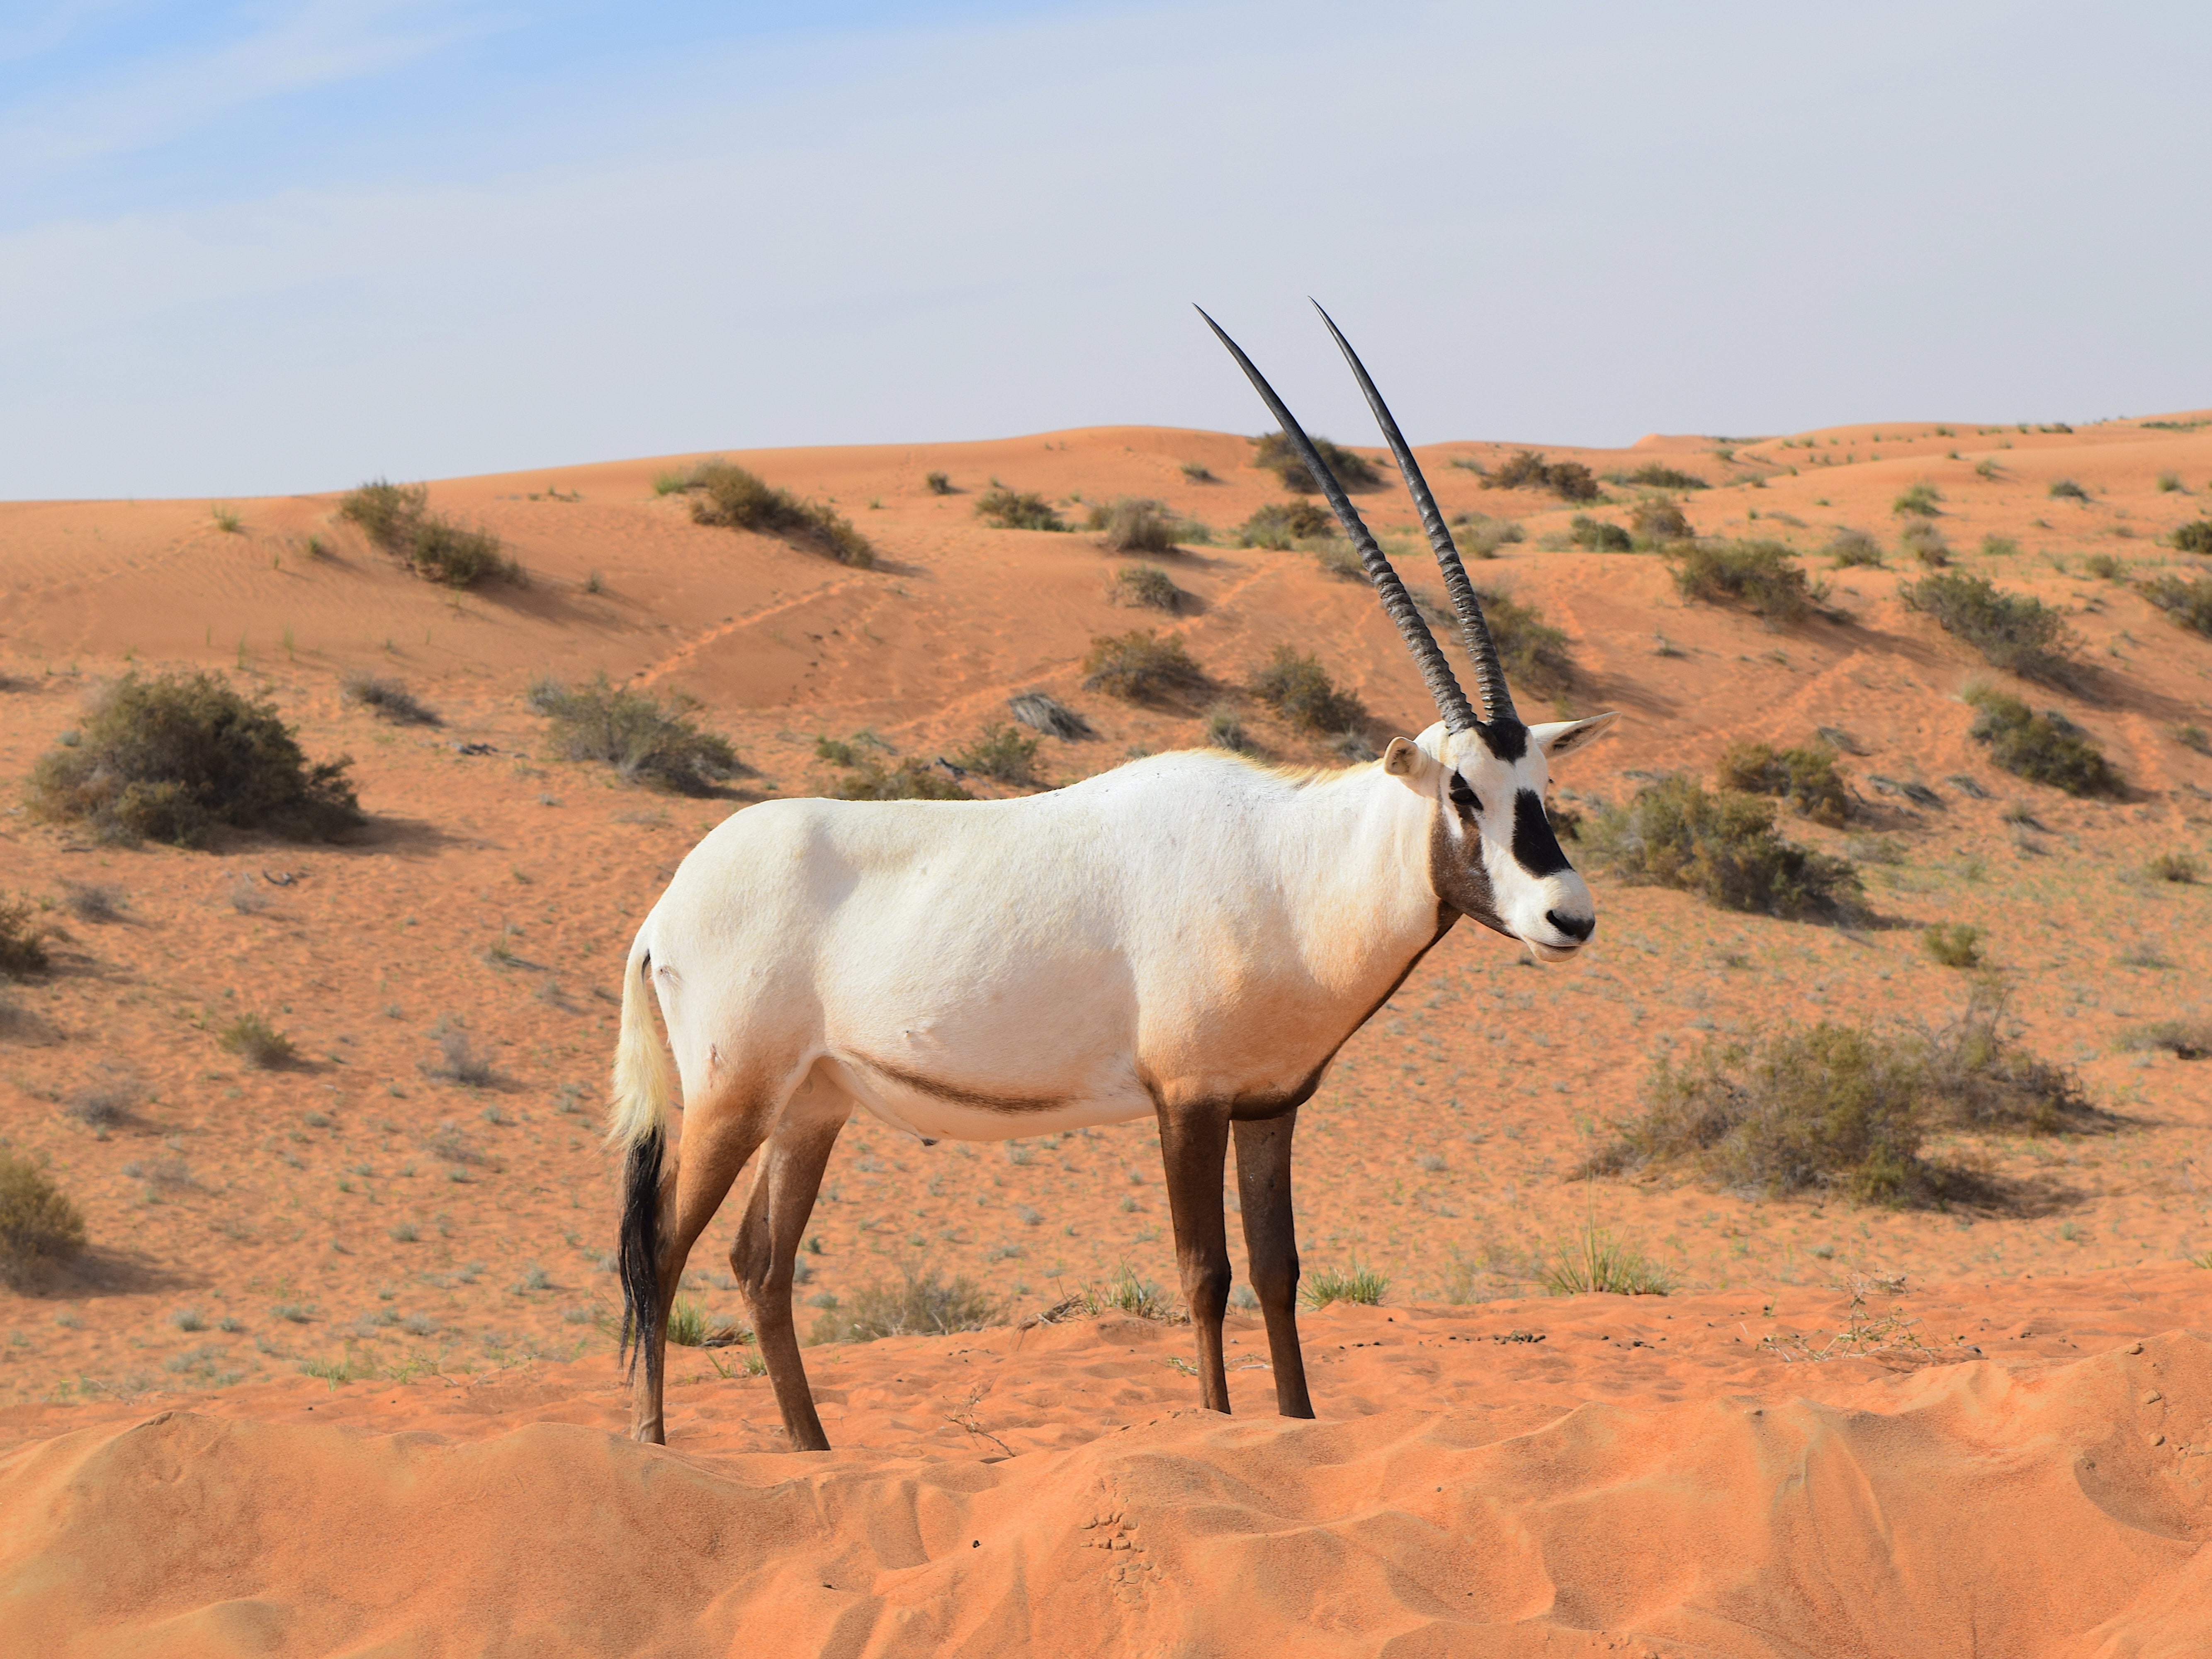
x: 1189, y: 938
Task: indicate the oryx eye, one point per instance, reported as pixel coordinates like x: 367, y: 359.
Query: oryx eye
x: 1462, y: 797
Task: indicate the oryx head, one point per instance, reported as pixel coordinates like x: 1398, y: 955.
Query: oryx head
x: 1491, y: 853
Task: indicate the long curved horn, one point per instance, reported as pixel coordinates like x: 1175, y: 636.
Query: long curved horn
x: 1428, y: 657
x: 1489, y: 673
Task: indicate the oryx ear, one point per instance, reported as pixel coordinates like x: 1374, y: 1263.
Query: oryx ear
x: 1405, y: 761
x: 1557, y: 738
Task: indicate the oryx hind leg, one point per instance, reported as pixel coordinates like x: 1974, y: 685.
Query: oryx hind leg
x: 1194, y: 1142
x: 1271, y: 1250
x: 765, y: 1255
x: 719, y: 1134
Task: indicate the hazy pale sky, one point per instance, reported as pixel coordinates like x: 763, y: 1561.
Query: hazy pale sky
x: 252, y: 248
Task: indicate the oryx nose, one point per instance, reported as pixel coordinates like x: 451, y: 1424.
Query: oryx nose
x: 1575, y: 927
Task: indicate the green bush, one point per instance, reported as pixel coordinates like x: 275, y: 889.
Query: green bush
x: 1001, y: 753
x: 2176, y: 867
x: 1852, y: 547
x: 1481, y: 536
x: 1133, y: 524
x: 1999, y: 547
x: 1919, y: 502
x: 920, y: 1304
x: 2016, y: 631
x: 2045, y: 748
x: 256, y: 1042
x: 2189, y: 604
x: 387, y: 699
x: 1656, y: 477
x: 1594, y: 1261
x: 937, y: 484
x: 1148, y: 586
x: 2066, y: 489
x: 2194, y: 537
x: 1953, y: 944
x: 646, y: 740
x: 911, y: 779
x: 1535, y: 655
x: 1722, y: 846
x: 1758, y: 575
x: 397, y: 518
x: 734, y: 499
x: 1527, y: 469
x: 1355, y: 1284
x: 1658, y: 519
x: 1301, y: 691
x: 1273, y: 454
x: 1014, y: 509
x: 176, y: 758
x: 1597, y: 535
x: 22, y: 941
x: 1283, y: 525
x: 2105, y: 566
x: 39, y: 1229
x: 1805, y: 778
x: 1139, y: 664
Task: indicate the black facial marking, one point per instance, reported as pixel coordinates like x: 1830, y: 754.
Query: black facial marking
x: 1536, y: 848
x: 1464, y: 797
x: 1507, y: 739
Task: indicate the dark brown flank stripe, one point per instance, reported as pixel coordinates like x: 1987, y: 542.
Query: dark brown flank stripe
x: 961, y: 1096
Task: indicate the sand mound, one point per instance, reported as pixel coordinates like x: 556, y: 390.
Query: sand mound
x: 1639, y: 1477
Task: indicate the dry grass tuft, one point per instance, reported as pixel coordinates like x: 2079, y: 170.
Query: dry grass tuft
x: 1010, y: 509
x: 919, y: 1304
x: 734, y: 499
x: 22, y: 940
x: 1133, y: 524
x: 646, y: 740
x: 1302, y: 691
x: 1148, y: 586
x: 256, y: 1042
x: 1355, y: 1284
x: 1283, y: 525
x: 1140, y: 665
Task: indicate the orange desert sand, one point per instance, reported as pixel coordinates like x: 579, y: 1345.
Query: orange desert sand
x: 337, y: 1374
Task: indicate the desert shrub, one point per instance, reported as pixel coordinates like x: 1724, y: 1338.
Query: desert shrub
x: 2169, y: 482
x: 1597, y: 535
x: 2016, y: 631
x: 2189, y: 604
x: 1273, y: 454
x: 1977, y: 1078
x: 1806, y: 778
x: 1999, y: 547
x: 1140, y: 665
x: 1225, y: 729
x: 1852, y: 547
x: 1301, y: 691
x: 1527, y: 469
x: 1356, y: 1284
x: 1136, y: 524
x: 1758, y: 575
x: 105, y: 1102
x: 937, y: 484
x: 397, y: 518
x: 39, y: 1229
x: 175, y: 759
x: 386, y: 698
x: 22, y: 940
x: 1041, y: 713
x: 2189, y: 735
x: 256, y: 1041
x: 920, y: 1304
x: 1595, y: 1261
x: 459, y: 1061
x: 1722, y: 846
x: 92, y: 900
x: 2184, y: 1039
x: 1014, y: 509
x: 1919, y: 502
x: 1149, y: 586
x: 2176, y: 867
x: 911, y: 779
x: 1001, y: 753
x: 1282, y: 525
x: 1534, y: 655
x: 2066, y: 489
x: 2045, y: 748
x: 1341, y: 561
x: 2105, y: 566
x: 731, y: 498
x: 1656, y: 477
x: 1953, y: 944
x: 1925, y: 543
x: 645, y: 739
x: 1657, y: 520
x: 2195, y: 536
x: 1480, y: 536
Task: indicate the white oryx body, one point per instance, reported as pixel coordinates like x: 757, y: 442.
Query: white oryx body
x: 1189, y: 939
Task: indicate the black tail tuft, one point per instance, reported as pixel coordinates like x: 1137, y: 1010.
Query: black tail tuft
x: 640, y: 1257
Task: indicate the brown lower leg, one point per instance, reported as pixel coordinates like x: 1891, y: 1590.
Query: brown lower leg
x: 764, y: 1258
x: 1270, y: 1250
x: 1192, y: 1143
x: 717, y: 1141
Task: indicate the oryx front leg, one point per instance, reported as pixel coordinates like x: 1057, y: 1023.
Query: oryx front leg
x: 766, y: 1252
x: 1194, y: 1142
x: 1271, y: 1250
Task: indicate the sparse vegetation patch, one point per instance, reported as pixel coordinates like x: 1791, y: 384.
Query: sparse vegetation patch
x: 397, y: 518
x: 1527, y: 469
x: 1656, y: 477
x: 645, y: 739
x: 1759, y: 576
x: 911, y: 779
x: 22, y: 940
x: 2045, y: 748
x: 730, y: 497
x: 1002, y: 752
x: 1354, y: 1284
x: 1014, y: 509
x: 1043, y: 713
x: 386, y: 698
x: 2017, y: 632
x: 1148, y: 586
x: 1133, y: 524
x: 40, y: 1228
x: 176, y: 758
x: 1140, y: 665
x: 1300, y: 688
x: 2187, y: 603
x: 2195, y: 537
x: 1534, y: 655
x: 1852, y: 547
x: 1722, y: 846
x: 1597, y: 535
x: 1806, y: 778
x: 256, y: 1042
x: 920, y: 1304
x: 1273, y: 454
x: 1283, y: 525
